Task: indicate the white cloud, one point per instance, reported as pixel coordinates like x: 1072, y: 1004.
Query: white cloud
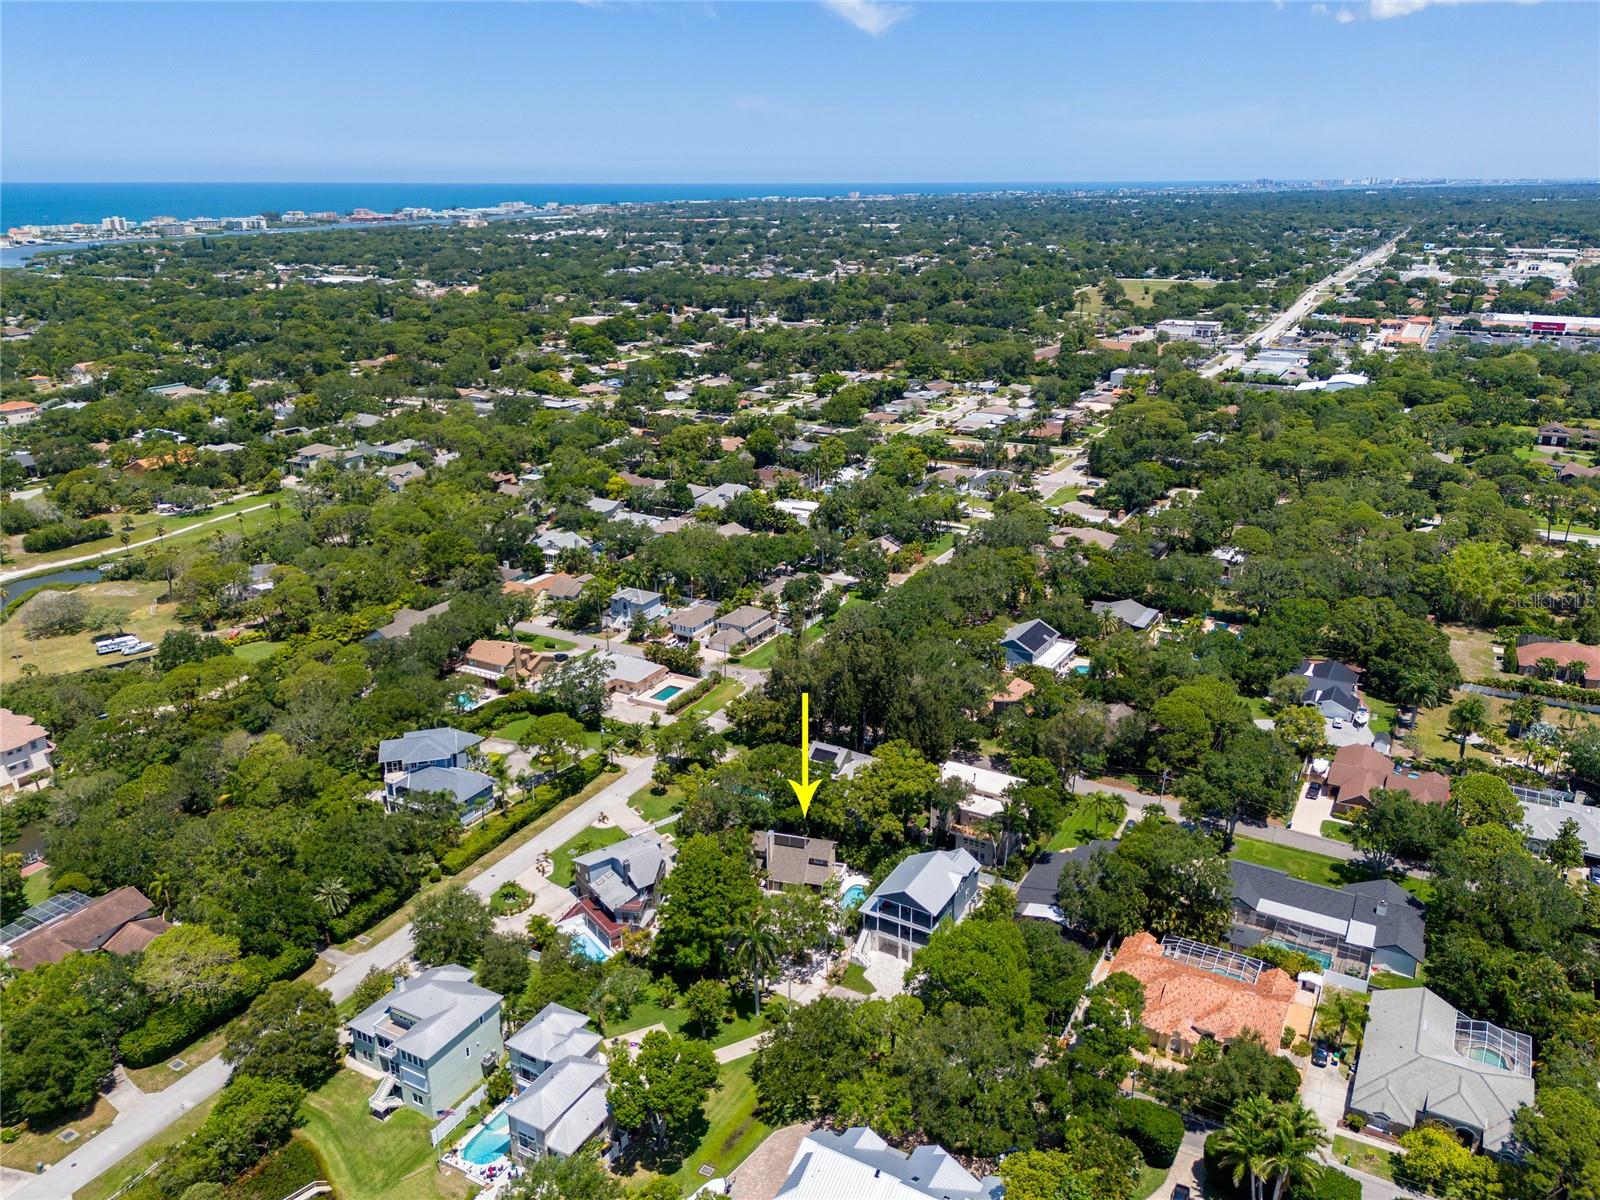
x: 1344, y: 16
x: 1384, y: 10
x: 870, y: 16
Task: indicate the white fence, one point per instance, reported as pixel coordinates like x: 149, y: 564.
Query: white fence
x: 448, y: 1124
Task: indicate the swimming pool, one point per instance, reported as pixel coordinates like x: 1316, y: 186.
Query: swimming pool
x: 489, y: 1143
x: 1489, y: 1058
x: 667, y: 693
x: 853, y: 896
x: 586, y: 944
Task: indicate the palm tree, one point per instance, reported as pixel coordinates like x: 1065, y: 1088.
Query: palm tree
x: 1341, y: 1012
x: 1103, y: 808
x: 333, y: 896
x: 161, y: 891
x: 1297, y: 1136
x: 1272, y: 1145
x: 756, y: 947
x: 1243, y: 1144
x: 1467, y: 717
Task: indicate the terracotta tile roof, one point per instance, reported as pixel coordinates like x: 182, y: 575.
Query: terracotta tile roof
x: 1191, y: 1001
x: 1566, y: 653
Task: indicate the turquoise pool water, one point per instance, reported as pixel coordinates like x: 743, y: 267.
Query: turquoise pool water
x: 853, y: 896
x: 1489, y: 1057
x: 667, y: 693
x: 1080, y: 670
x: 586, y: 944
x: 489, y: 1143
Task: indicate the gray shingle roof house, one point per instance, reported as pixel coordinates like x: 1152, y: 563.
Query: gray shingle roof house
x: 1036, y: 894
x: 438, y: 747
x: 918, y: 895
x: 434, y: 1037
x: 473, y: 791
x: 845, y: 762
x: 788, y: 859
x: 1353, y: 930
x: 559, y: 1111
x: 1332, y: 687
x: 1542, y: 823
x: 555, y: 1034
x: 861, y: 1165
x: 693, y: 620
x: 1130, y: 612
x: 405, y: 620
x: 1423, y: 1060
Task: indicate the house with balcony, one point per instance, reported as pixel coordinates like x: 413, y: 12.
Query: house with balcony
x: 634, y: 604
x: 560, y: 1111
x: 25, y: 750
x: 435, y: 1037
x: 616, y: 887
x: 435, y: 760
x: 557, y: 1033
x: 859, y: 1163
x: 919, y: 895
x: 792, y: 860
x: 1037, y: 644
x: 975, y: 822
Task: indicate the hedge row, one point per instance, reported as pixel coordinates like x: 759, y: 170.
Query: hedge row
x: 1528, y: 685
x: 683, y: 699
x: 499, y: 827
x: 1156, y: 1129
x: 173, y: 1026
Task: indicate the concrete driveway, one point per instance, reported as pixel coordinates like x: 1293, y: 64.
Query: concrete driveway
x: 1324, y: 1090
x: 1309, y: 814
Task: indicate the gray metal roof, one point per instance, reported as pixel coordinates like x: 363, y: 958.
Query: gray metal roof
x: 567, y: 1104
x: 556, y: 1033
x: 635, y: 862
x: 928, y: 880
x: 458, y: 781
x: 442, y: 1003
x: 426, y: 745
x: 1130, y: 612
x: 860, y: 1165
x: 1413, y: 1063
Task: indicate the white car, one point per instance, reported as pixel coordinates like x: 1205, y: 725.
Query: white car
x: 1362, y: 716
x: 1338, y: 722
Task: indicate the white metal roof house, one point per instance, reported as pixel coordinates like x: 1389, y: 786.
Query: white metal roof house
x: 557, y: 1033
x: 921, y: 893
x: 560, y: 1111
x: 1130, y: 612
x: 1424, y: 1061
x: 434, y: 1036
x: 860, y: 1165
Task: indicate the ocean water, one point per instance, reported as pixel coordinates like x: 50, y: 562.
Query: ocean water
x: 66, y: 203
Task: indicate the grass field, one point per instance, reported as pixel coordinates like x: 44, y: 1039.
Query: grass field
x: 732, y: 1130
x: 855, y: 978
x: 254, y: 652
x: 147, y: 618
x: 1363, y: 1157
x: 652, y: 807
x: 44, y: 1145
x: 1317, y: 868
x: 368, y: 1159
x: 144, y: 528
x: 156, y: 1148
x: 1473, y: 650
x: 592, y: 838
x: 1081, y: 827
x: 1150, y: 1181
x: 715, y: 699
x: 541, y: 641
x: 1140, y: 292
x: 517, y: 726
x: 159, y: 1077
x: 36, y: 887
x: 743, y: 1023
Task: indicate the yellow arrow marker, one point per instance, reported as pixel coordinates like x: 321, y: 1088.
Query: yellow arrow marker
x: 805, y: 789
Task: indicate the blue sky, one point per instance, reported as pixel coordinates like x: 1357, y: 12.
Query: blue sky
x: 836, y: 90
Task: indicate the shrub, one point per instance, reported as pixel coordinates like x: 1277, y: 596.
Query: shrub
x: 279, y: 1175
x: 1356, y: 1122
x: 1330, y: 1185
x: 1154, y: 1128
x: 71, y: 881
x: 685, y: 660
x: 685, y: 698
x: 61, y: 534
x: 164, y: 1032
x: 1301, y: 1048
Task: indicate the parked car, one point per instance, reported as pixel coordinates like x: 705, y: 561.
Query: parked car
x: 1319, y: 1056
x: 1181, y: 1192
x: 1338, y: 722
x: 1313, y: 791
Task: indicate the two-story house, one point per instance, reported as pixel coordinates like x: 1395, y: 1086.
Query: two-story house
x: 976, y: 823
x: 434, y: 1037
x: 1037, y: 644
x: 560, y: 1110
x: 790, y: 860
x: 616, y: 886
x: 690, y: 622
x: 25, y: 750
x: 556, y: 1033
x: 745, y: 624
x: 435, y: 760
x: 632, y: 604
x: 919, y: 895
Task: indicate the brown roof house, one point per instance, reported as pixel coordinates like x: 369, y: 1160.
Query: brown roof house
x: 1576, y: 663
x: 1358, y: 771
x: 789, y: 860
x: 491, y: 658
x: 1193, y: 991
x: 119, y: 922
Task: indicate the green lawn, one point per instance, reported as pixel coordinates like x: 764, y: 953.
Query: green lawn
x: 1363, y: 1157
x: 1302, y: 864
x: 732, y: 1130
x: 517, y: 726
x: 744, y: 1023
x: 44, y: 1144
x: 1081, y: 827
x: 1337, y: 830
x: 592, y: 838
x: 1383, y: 714
x: 1140, y: 293
x: 715, y: 699
x: 855, y: 978
x: 178, y: 529
x: 145, y: 616
x: 254, y: 652
x: 653, y: 807
x: 540, y: 641
x: 1150, y: 1181
x: 368, y: 1159
x: 36, y: 887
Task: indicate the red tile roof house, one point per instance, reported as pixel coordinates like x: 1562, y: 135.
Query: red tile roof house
x: 119, y: 922
x: 1185, y: 1003
x: 1576, y: 663
x: 1358, y: 771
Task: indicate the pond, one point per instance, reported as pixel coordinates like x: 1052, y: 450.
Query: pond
x: 25, y: 587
